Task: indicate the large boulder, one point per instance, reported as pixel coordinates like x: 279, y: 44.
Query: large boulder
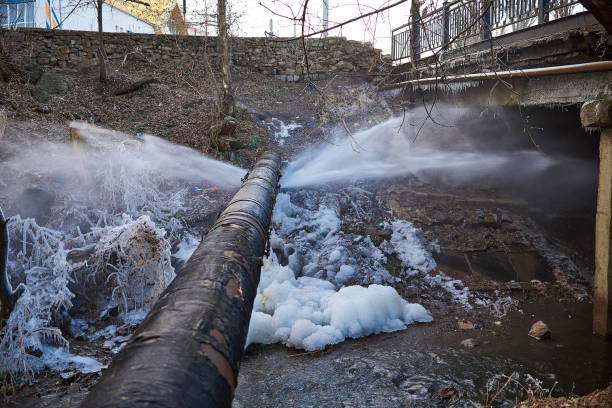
x: 49, y: 84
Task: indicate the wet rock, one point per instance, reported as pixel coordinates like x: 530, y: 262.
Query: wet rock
x: 222, y: 135
x: 470, y: 343
x: 123, y: 330
x: 108, y: 344
x: 449, y: 393
x: 539, y: 331
x: 49, y: 84
x: 465, y: 325
x: 34, y: 352
x: 69, y: 376
x: 380, y: 372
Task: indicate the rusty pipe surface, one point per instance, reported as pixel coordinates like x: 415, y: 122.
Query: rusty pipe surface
x: 187, y: 351
x: 516, y: 73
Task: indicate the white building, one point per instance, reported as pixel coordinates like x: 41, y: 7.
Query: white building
x: 69, y: 15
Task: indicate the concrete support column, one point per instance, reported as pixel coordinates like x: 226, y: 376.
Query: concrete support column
x: 599, y: 114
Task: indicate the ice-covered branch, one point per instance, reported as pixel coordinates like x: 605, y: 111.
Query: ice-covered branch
x: 8, y: 297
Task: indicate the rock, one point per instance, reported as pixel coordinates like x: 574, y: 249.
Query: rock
x: 470, y: 343
x: 222, y: 135
x: 32, y: 73
x: 33, y: 352
x: 49, y: 84
x: 539, y: 331
x: 123, y: 330
x: 465, y: 325
x: 448, y: 393
x: 2, y: 122
x: 69, y: 376
x: 7, y: 70
x: 108, y: 344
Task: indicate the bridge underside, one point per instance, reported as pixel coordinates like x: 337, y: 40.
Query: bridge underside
x: 565, y: 62
x: 547, y: 91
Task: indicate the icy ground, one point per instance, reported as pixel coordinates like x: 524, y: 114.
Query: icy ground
x: 281, y: 130
x: 121, y: 207
x: 322, y: 284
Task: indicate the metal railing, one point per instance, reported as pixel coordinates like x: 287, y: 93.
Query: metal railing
x: 463, y: 22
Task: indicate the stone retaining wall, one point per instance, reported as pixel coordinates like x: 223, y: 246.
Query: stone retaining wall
x: 285, y: 59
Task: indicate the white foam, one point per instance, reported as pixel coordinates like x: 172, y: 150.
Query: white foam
x: 308, y: 313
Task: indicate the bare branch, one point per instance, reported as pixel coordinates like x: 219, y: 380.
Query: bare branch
x: 303, y: 18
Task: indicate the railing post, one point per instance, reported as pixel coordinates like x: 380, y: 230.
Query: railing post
x: 486, y: 32
x: 543, y: 6
x: 415, y: 35
x: 393, y: 45
x: 445, y: 25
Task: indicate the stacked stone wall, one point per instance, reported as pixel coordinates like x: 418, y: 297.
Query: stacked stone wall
x: 270, y: 56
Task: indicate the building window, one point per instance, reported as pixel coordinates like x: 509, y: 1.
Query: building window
x: 17, y: 13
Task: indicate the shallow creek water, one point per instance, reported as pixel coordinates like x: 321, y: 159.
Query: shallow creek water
x: 416, y: 367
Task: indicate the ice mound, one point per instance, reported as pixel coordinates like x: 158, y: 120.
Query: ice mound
x: 141, y: 267
x: 308, y: 237
x: 406, y: 242
x: 308, y: 313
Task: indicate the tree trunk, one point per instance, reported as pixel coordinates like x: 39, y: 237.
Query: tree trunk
x: 101, y: 61
x: 227, y: 101
x: 187, y: 351
x: 7, y: 296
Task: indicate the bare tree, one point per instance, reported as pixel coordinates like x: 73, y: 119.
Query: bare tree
x: 99, y: 4
x: 227, y: 97
x: 101, y: 61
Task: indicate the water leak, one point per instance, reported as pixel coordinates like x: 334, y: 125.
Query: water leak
x: 387, y: 150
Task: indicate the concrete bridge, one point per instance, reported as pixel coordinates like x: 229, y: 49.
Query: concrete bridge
x: 525, y: 53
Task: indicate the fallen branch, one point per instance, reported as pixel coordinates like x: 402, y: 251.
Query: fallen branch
x: 134, y: 86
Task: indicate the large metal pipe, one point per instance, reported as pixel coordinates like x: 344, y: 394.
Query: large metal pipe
x: 187, y: 351
x: 515, y: 73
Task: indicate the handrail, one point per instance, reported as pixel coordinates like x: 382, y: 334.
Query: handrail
x: 463, y: 22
